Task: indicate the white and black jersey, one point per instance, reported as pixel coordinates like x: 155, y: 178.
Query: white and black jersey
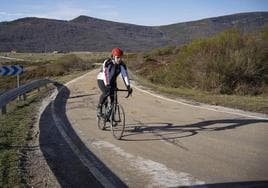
x: 111, y: 70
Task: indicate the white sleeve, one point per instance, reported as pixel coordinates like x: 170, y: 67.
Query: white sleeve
x: 124, y: 75
x: 105, y: 73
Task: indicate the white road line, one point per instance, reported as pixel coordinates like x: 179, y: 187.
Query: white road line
x: 98, y: 175
x: 160, y: 175
x: 59, y: 124
x: 201, y: 106
x: 210, y: 107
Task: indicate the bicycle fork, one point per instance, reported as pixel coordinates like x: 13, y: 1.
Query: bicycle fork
x: 116, y: 115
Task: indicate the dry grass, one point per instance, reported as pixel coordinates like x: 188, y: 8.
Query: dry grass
x: 249, y: 103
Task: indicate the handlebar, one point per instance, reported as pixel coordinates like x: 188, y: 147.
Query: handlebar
x: 123, y: 90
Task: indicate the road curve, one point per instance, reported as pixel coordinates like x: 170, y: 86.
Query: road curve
x: 167, y: 143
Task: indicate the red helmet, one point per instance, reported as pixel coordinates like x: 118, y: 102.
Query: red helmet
x: 117, y: 52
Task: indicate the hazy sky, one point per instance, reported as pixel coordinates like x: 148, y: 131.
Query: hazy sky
x: 141, y: 12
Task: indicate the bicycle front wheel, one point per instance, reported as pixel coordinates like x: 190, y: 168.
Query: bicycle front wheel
x: 118, y: 121
x: 101, y: 123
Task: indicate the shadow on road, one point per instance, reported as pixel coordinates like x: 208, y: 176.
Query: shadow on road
x: 79, y: 96
x: 62, y: 160
x: 168, y: 131
x: 250, y: 184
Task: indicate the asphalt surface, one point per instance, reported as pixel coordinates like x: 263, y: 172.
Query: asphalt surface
x: 167, y: 143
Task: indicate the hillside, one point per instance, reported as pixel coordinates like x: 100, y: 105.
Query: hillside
x: 230, y: 62
x: 90, y: 34
x: 186, y: 32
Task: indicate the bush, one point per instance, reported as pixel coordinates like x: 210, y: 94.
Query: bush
x: 61, y: 66
x: 228, y: 63
x: 71, y: 62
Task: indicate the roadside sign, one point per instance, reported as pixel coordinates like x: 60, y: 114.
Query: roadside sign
x: 11, y: 70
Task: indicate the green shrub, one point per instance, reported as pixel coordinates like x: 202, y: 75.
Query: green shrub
x: 228, y: 63
x: 65, y: 64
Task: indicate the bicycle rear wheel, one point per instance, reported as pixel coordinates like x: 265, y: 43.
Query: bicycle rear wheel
x: 118, y: 121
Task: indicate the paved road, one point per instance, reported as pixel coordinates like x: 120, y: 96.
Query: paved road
x: 167, y: 143
x: 11, y: 58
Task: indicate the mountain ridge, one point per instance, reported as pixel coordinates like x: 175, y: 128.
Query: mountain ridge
x: 86, y: 33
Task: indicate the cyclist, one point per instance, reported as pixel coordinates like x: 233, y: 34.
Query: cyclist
x: 106, y: 78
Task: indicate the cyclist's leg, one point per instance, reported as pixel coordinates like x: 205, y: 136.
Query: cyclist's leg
x: 113, y: 87
x: 103, y: 96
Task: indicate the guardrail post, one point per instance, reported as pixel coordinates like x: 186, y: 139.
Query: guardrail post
x: 20, y: 93
x: 24, y: 96
x: 4, y: 109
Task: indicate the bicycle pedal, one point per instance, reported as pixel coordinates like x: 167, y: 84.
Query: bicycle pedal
x: 117, y: 121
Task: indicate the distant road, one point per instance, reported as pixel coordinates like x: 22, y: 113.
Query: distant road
x: 11, y: 58
x: 167, y: 143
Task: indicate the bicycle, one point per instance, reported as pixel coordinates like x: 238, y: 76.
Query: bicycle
x: 113, y: 113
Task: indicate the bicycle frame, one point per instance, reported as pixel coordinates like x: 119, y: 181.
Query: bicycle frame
x: 115, y: 95
x: 111, y: 111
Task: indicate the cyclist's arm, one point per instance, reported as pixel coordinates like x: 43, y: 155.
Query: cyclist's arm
x: 105, y: 69
x: 124, y: 74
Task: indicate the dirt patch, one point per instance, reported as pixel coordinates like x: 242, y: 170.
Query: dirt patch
x: 34, y: 165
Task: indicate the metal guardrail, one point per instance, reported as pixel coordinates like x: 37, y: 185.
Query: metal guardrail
x: 12, y: 94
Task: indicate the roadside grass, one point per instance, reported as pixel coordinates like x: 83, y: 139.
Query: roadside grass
x: 228, y: 69
x: 41, y: 57
x: 66, y: 78
x: 64, y: 64
x: 97, y: 56
x: 248, y: 103
x: 33, y: 57
x: 16, y: 126
x: 15, y: 131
